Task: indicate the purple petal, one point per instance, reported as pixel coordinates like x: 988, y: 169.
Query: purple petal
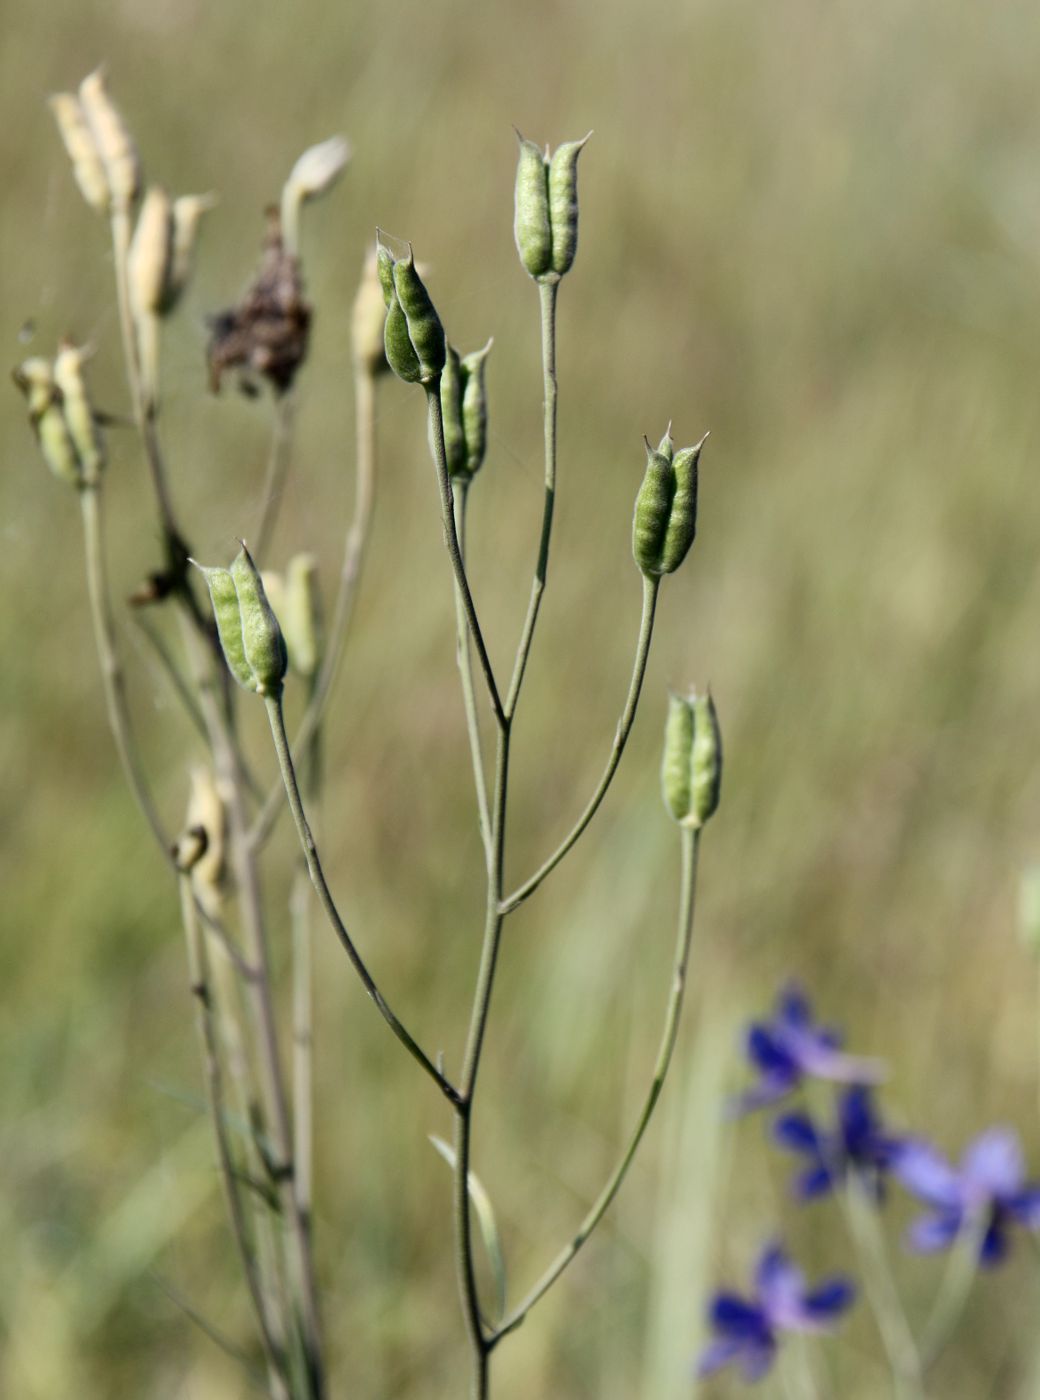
x: 756, y: 1361
x: 993, y: 1165
x: 769, y: 1090
x: 817, y: 1181
x: 796, y: 1132
x: 718, y: 1354
x: 792, y: 1006
x: 735, y: 1317
x: 829, y: 1300
x: 779, y: 1285
x: 768, y: 1052
x: 1024, y: 1205
x: 994, y: 1242
x: 928, y: 1174
x: 814, y: 1055
x: 930, y: 1233
x: 859, y: 1121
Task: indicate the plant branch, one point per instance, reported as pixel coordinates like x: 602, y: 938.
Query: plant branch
x: 464, y: 658
x: 279, y: 461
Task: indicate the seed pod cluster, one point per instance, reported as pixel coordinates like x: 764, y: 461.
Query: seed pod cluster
x: 413, y: 336
x: 62, y: 415
x: 464, y: 412
x: 545, y: 222
x: 691, y: 770
x: 665, y: 521
x: 249, y: 633
x: 104, y: 158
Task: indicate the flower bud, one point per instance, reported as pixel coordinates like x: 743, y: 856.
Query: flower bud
x: 665, y: 519
x: 79, y: 412
x: 112, y: 139
x: 691, y: 771
x: 87, y: 166
x: 151, y: 254
x: 369, y: 319
x: 545, y: 223
x: 35, y: 378
x: 262, y: 640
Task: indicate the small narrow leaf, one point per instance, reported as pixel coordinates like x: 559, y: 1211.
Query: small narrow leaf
x: 488, y: 1226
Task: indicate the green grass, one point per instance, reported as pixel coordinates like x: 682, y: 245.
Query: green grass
x: 813, y: 232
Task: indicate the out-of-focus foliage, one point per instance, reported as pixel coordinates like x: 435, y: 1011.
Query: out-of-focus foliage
x: 814, y: 230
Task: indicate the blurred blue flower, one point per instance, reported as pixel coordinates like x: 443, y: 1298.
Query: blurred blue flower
x: 746, y: 1331
x: 857, y: 1143
x: 790, y: 1047
x: 988, y: 1192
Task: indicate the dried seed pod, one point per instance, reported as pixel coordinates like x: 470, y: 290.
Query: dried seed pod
x: 314, y: 172
x: 112, y: 138
x: 563, y: 203
x: 691, y: 770
x: 665, y: 520
x: 531, y: 227
x: 151, y: 254
x: 79, y: 412
x: 262, y: 640
x: 87, y: 165
x: 369, y: 319
x: 208, y: 815
x: 35, y: 378
x: 188, y: 210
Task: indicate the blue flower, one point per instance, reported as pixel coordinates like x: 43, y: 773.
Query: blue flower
x: 857, y: 1143
x: 790, y: 1047
x: 746, y: 1331
x: 988, y: 1192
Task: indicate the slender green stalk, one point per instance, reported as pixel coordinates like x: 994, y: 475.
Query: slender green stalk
x: 111, y: 670
x: 346, y: 593
x: 451, y: 540
x: 200, y: 987
x: 464, y: 657
x: 328, y: 904
x: 690, y: 846
x: 954, y: 1291
x: 646, y: 629
x: 547, y: 292
x: 279, y: 460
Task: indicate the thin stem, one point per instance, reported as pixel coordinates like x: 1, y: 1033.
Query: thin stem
x: 111, y: 670
x: 198, y: 972
x: 303, y: 1006
x: 279, y: 461
x: 172, y: 672
x: 451, y: 540
x: 547, y: 292
x: 954, y: 1291
x: 464, y: 657
x: 281, y: 742
x: 480, y: 1345
x: 258, y: 989
x: 350, y: 571
x: 690, y: 846
x: 624, y: 728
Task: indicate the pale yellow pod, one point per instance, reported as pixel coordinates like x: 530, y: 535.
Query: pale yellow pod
x: 78, y: 139
x: 79, y: 412
x: 368, y: 319
x: 151, y: 253
x: 188, y: 210
x: 206, y: 811
x: 302, y: 620
x: 112, y: 138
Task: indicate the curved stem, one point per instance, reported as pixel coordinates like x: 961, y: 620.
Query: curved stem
x: 690, y: 846
x: 350, y: 571
x: 279, y: 461
x: 646, y: 629
x: 451, y: 540
x: 111, y: 669
x: 464, y: 658
x: 547, y: 292
x: 328, y: 904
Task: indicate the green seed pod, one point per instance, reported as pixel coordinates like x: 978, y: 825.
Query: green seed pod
x: 397, y: 345
x: 302, y: 616
x: 1029, y: 909
x: 385, y: 273
x: 691, y: 770
x: 262, y: 640
x: 451, y: 414
x: 474, y: 408
x: 531, y: 227
x: 563, y: 203
x: 79, y: 412
x: 228, y: 615
x: 87, y: 166
x: 665, y: 519
x: 35, y: 378
x: 424, y: 325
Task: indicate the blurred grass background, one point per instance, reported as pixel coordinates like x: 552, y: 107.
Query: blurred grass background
x: 810, y: 228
